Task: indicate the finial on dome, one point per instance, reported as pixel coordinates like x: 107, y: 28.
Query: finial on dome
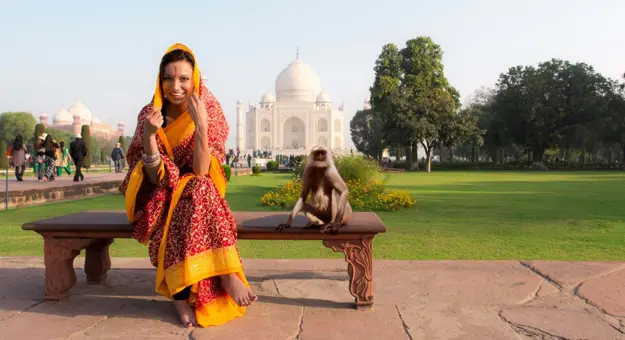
x: 297, y: 54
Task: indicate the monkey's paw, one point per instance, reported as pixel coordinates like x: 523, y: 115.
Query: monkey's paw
x: 283, y: 226
x: 330, y: 228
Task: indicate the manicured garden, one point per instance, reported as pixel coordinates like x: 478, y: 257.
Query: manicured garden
x: 456, y: 215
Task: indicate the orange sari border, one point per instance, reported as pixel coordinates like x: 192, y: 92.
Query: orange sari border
x: 209, y: 263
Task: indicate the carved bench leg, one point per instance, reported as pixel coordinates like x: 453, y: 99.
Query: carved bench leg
x: 59, y: 255
x: 359, y: 260
x: 98, y: 261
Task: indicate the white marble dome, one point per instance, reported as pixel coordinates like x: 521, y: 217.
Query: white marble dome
x: 298, y: 81
x: 267, y: 98
x: 62, y: 116
x: 79, y: 109
x: 323, y: 97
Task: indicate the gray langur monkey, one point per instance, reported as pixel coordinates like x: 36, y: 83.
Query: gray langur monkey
x: 329, y: 208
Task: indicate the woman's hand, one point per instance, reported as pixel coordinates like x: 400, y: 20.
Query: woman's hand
x: 152, y: 122
x: 197, y: 110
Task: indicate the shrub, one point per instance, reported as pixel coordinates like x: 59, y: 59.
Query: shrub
x: 272, y: 166
x: 363, y: 179
x: 256, y: 170
x: 227, y: 171
x: 351, y: 167
x: 362, y: 196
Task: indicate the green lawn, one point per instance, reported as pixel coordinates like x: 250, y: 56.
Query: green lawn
x: 459, y: 215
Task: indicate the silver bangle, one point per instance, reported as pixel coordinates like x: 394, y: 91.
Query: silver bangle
x: 151, y: 161
x: 151, y: 158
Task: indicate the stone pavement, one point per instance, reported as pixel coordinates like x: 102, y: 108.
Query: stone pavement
x: 31, y: 182
x: 309, y: 299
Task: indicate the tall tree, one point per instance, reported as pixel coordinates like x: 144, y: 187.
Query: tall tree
x: 613, y: 122
x: 4, y: 160
x: 430, y: 103
x: 385, y: 95
x: 16, y: 123
x: 85, y: 132
x: 539, y: 105
x: 122, y: 142
x: 366, y: 131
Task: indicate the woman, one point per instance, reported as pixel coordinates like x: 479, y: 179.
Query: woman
x: 40, y: 156
x: 62, y: 160
x: 175, y: 191
x: 18, y: 156
x: 49, y: 147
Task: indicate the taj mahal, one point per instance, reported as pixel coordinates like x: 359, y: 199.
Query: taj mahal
x: 299, y: 116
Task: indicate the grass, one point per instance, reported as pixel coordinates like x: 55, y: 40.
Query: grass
x: 459, y: 215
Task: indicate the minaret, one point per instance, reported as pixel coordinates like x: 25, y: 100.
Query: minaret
x: 240, y: 130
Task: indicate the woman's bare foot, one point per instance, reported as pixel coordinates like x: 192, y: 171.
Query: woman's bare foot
x: 242, y: 295
x: 186, y: 313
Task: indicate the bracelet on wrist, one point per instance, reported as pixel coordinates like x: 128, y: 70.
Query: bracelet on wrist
x: 151, y: 161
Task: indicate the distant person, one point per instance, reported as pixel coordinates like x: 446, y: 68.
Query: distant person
x: 63, y: 160
x: 117, y: 155
x: 18, y: 157
x: 40, y: 156
x: 78, y: 151
x: 49, y: 146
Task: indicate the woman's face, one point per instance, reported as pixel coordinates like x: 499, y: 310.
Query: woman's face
x: 177, y: 82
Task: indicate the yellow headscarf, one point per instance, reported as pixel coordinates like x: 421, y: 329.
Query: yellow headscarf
x: 158, y: 95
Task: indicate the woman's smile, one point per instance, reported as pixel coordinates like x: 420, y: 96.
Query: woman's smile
x: 177, y: 95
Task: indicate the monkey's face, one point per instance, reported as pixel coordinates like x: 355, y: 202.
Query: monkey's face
x: 319, y: 157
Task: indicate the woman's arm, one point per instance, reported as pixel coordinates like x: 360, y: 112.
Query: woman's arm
x: 201, y: 152
x: 152, y: 122
x: 150, y: 147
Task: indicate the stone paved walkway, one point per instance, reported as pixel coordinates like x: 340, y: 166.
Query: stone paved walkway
x: 309, y: 299
x: 31, y: 182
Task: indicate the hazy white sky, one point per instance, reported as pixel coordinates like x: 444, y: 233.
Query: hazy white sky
x: 107, y: 53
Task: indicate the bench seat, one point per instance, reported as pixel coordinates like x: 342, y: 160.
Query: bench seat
x: 66, y: 236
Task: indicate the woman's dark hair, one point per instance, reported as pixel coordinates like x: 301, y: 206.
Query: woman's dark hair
x: 47, y: 143
x: 174, y: 56
x: 18, y: 142
x: 62, y: 144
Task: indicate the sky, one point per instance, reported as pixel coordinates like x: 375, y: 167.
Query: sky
x: 107, y: 53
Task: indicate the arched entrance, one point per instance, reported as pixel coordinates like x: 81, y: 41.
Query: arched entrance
x: 337, y: 143
x: 265, y: 143
x: 294, y: 134
x: 265, y: 125
x: 322, y: 141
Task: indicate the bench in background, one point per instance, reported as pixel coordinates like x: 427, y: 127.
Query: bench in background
x: 66, y: 236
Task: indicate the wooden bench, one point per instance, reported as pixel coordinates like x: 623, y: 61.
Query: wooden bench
x: 66, y: 236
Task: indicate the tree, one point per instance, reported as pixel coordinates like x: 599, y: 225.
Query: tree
x: 366, y: 131
x: 102, y: 156
x: 86, y: 136
x: 60, y: 135
x: 122, y: 142
x: 384, y: 96
x: 538, y: 106
x: 4, y: 160
x: 16, y: 123
x: 613, y: 122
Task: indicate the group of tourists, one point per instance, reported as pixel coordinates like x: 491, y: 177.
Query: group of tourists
x: 51, y: 159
